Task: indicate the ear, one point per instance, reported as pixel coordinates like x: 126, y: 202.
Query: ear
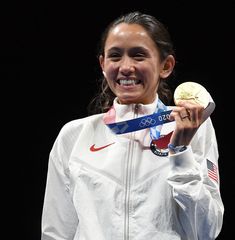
x: 167, y: 66
x: 101, y: 60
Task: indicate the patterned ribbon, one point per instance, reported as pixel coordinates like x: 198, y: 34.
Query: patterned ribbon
x: 153, y: 121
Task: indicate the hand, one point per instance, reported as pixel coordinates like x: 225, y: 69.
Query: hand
x: 188, y: 118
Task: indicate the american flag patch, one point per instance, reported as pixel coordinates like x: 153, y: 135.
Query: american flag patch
x: 212, y: 170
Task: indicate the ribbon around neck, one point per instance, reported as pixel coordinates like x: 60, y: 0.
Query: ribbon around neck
x: 140, y: 123
x: 152, y: 120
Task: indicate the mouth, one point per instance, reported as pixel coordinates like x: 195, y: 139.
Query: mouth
x: 128, y: 82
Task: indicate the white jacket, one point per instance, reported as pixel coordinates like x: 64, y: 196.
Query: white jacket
x: 118, y: 189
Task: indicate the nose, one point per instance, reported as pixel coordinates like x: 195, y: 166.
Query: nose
x: 126, y: 66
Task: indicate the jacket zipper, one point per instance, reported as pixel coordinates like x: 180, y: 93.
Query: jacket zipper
x: 128, y: 179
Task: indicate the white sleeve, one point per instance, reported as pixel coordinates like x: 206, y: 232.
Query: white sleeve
x: 197, y: 194
x: 59, y: 218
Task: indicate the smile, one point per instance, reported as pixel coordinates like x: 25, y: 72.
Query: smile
x: 128, y: 82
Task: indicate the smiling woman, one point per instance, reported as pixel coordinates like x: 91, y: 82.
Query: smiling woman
x: 148, y: 176
x: 133, y: 70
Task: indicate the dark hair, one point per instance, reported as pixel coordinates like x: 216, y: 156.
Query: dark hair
x: 159, y: 34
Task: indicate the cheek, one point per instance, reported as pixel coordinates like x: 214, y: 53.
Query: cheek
x: 154, y: 73
x: 149, y: 68
x: 110, y: 74
x: 111, y: 71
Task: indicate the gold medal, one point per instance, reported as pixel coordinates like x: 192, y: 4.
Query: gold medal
x: 192, y: 91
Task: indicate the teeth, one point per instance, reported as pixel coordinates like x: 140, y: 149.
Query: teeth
x: 128, y: 82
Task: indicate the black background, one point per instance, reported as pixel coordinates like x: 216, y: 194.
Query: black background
x: 49, y: 71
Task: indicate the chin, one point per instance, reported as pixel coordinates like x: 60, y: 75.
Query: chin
x: 129, y: 100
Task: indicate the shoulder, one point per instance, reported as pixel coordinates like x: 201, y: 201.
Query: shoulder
x: 73, y: 128
x: 205, y: 140
x: 207, y: 128
x: 71, y: 131
x: 77, y: 124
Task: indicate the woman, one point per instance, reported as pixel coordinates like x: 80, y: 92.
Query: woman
x: 119, y: 174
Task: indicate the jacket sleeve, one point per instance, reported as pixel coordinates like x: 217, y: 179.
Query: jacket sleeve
x: 59, y: 218
x: 194, y: 178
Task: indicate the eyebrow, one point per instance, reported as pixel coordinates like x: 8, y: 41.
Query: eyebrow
x: 133, y: 49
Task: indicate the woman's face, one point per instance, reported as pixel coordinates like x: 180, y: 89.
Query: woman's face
x: 131, y: 64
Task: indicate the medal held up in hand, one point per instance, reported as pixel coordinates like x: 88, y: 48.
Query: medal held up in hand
x: 195, y: 92
x: 190, y: 91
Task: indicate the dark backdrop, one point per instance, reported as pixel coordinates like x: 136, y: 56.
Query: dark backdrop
x: 49, y: 71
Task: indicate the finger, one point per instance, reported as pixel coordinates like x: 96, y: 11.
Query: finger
x: 185, y: 117
x: 194, y: 110
x: 181, y: 113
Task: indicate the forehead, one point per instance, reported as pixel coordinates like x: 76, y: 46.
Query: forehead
x: 129, y: 34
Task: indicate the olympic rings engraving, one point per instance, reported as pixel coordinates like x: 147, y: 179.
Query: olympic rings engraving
x: 147, y: 122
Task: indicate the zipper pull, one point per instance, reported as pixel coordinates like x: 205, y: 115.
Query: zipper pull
x: 136, y: 108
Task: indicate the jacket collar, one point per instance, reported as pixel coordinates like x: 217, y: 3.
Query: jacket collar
x: 129, y: 111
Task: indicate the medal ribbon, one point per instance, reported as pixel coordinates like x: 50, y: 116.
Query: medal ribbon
x: 153, y: 121
x: 156, y: 130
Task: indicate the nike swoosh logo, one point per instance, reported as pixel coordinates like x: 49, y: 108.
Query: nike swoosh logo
x: 95, y: 149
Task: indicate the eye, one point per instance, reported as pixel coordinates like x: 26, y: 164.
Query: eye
x: 138, y: 53
x: 139, y: 56
x: 114, y: 56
